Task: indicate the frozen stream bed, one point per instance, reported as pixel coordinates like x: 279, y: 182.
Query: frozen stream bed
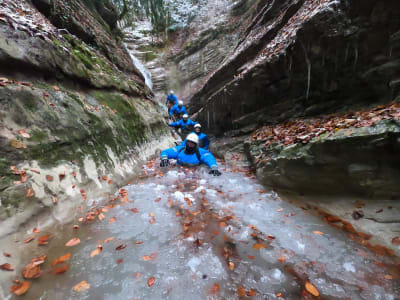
x: 184, y: 234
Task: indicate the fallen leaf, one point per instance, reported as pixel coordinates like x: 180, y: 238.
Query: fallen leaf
x: 105, y: 178
x: 44, y: 239
x: 60, y: 270
x: 222, y: 224
x: 151, y: 281
x: 54, y: 199
x: 138, y: 275
x: 30, y: 192
x: 29, y: 239
x: 388, y: 277
x: 35, y: 230
x: 379, y: 211
x: 279, y: 295
x: 6, y: 254
x: 251, y: 292
x: 110, y: 181
x: 318, y: 232
x: 135, y: 210
x: 152, y: 220
x: 282, y: 259
x: 61, y: 259
x: 35, y: 171
x: 49, y: 178
x: 6, y: 267
x: 311, y: 289
x: 251, y: 257
x: 101, y: 216
x: 259, y: 246
x: 279, y: 210
x: 61, y: 176
x: 396, y: 241
x: 97, y: 251
x: 215, y: 289
x: 158, y: 199
x: 120, y: 261
x: 24, y: 134
x: 81, y: 286
x: 139, y: 242
x: 73, y: 242
x: 108, y: 240
x: 32, y: 270
x: 112, y: 220
x: 17, y: 144
x: 21, y: 288
x: 146, y: 257
x: 120, y: 247
x: 75, y: 227
x: 56, y: 88
x: 241, y: 291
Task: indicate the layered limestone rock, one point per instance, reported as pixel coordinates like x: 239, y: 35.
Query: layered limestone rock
x: 74, y: 123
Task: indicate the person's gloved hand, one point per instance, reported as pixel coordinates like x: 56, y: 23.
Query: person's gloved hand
x: 214, y: 171
x: 164, y: 162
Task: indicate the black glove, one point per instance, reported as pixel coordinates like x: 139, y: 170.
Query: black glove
x: 164, y: 162
x: 214, y: 171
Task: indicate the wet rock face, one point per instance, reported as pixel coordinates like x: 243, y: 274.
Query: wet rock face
x: 301, y: 58
x: 70, y: 115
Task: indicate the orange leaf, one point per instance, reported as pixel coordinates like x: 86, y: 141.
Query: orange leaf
x: 138, y: 275
x: 73, y: 242
x: 231, y: 266
x: 222, y: 224
x: 251, y: 292
x: 6, y: 267
x: 101, y: 216
x: 151, y: 281
x: 146, y: 257
x: 282, y: 259
x: 49, y: 178
x: 318, y: 232
x: 35, y: 171
x: 61, y: 176
x: 29, y: 239
x: 81, y: 286
x: 112, y: 220
x: 30, y: 192
x: 388, y: 277
x: 108, y: 240
x: 151, y: 214
x: 311, y: 289
x: 279, y: 295
x: 35, y: 230
x: 215, y: 289
x: 21, y: 288
x: 251, y: 257
x: 54, y: 199
x: 62, y: 269
x: 138, y: 242
x: 152, y: 220
x: 32, y: 270
x: 6, y: 254
x: 56, y: 88
x: 105, y: 178
x: 259, y: 246
x: 61, y: 259
x: 241, y: 291
x: 120, y: 261
x: 97, y: 251
x: 396, y: 241
x: 43, y: 240
x: 279, y: 210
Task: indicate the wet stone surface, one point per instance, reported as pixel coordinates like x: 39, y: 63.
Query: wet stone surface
x: 184, y: 234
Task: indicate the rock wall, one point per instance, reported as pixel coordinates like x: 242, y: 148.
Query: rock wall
x: 74, y: 121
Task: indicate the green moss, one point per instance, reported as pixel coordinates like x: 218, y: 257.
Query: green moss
x: 28, y: 101
x: 38, y: 136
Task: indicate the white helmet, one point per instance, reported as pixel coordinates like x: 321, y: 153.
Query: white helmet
x: 185, y: 116
x: 171, y: 92
x: 192, y: 137
x: 197, y: 125
x: 180, y: 102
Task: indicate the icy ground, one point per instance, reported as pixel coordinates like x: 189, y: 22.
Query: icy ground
x: 204, y: 237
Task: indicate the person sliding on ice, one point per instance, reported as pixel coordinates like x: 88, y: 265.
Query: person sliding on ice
x: 190, y: 155
x: 171, y: 100
x: 183, y: 125
x: 178, y: 110
x: 204, y: 142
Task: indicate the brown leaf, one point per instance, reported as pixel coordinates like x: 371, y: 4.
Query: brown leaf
x: 318, y: 232
x: 21, y: 288
x: 151, y: 281
x: 311, y: 289
x: 120, y: 247
x: 396, y: 241
x: 43, y: 240
x: 35, y: 171
x: 61, y: 176
x: 56, y: 88
x: 112, y: 220
x: 61, y: 259
x: 62, y: 269
x: 97, y: 251
x: 120, y: 261
x: 101, y: 216
x: 251, y: 292
x: 35, y: 230
x: 81, y: 286
x: 6, y: 267
x: 32, y: 270
x: 54, y: 199
x: 73, y: 242
x: 251, y: 257
x: 241, y: 291
x: 282, y: 259
x: 49, y: 178
x: 108, y: 240
x: 6, y: 254
x: 29, y: 239
x: 75, y: 227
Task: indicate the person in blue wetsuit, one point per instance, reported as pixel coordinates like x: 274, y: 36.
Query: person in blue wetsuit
x: 204, y: 142
x: 190, y: 155
x: 183, y: 125
x: 171, y: 100
x: 178, y: 110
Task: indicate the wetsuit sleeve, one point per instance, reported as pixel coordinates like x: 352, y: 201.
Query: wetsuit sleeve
x: 171, y: 152
x: 174, y: 124
x: 192, y: 123
x: 208, y: 159
x: 172, y: 110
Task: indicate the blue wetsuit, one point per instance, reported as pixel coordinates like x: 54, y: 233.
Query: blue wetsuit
x: 176, y: 110
x: 181, y: 124
x: 171, y: 98
x: 204, y: 142
x: 182, y: 158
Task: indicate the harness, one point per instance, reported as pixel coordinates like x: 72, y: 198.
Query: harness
x: 197, y: 153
